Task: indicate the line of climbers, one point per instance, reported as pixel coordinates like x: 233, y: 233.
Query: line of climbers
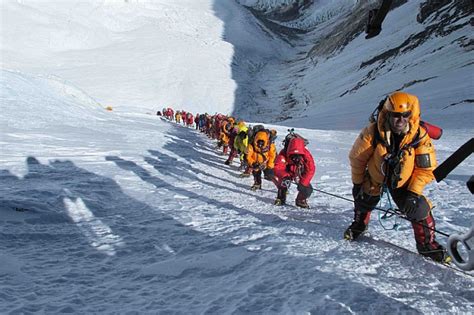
x: 394, y: 154
x: 181, y: 116
x: 258, y: 156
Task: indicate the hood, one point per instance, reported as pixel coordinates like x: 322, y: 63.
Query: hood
x: 296, y: 146
x: 261, y: 135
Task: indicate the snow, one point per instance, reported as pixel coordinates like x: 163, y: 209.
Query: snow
x: 122, y: 212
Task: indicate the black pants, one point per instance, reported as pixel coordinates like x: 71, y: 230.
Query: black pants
x: 257, y: 176
x: 365, y: 203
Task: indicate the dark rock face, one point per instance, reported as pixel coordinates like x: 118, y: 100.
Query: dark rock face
x: 285, y: 13
x: 436, y: 8
x: 314, y: 43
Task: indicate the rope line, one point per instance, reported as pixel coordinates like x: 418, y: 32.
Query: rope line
x: 391, y: 211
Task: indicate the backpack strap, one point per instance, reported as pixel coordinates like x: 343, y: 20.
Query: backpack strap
x: 377, y: 138
x: 416, y: 140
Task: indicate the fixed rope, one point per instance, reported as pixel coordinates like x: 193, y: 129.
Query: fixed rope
x: 388, y: 211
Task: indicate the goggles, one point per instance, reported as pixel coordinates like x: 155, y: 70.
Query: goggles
x: 400, y: 115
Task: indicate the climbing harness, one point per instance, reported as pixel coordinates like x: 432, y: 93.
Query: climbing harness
x: 388, y: 215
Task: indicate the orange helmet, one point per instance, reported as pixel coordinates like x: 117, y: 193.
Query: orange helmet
x: 400, y: 102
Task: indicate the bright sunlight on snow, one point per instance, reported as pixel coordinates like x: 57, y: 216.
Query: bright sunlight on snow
x: 122, y: 211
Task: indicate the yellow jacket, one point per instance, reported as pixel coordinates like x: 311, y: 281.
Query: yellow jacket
x: 417, y: 161
x: 241, y: 144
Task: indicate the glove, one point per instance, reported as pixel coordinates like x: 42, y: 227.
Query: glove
x: 411, y: 204
x: 357, y: 191
x: 286, y: 182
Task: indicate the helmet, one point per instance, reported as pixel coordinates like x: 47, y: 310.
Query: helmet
x: 400, y: 102
x: 231, y: 120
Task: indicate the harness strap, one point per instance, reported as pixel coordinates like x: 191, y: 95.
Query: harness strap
x: 388, y: 212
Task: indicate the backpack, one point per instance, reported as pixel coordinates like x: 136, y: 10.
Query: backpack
x: 253, y: 131
x: 291, y: 135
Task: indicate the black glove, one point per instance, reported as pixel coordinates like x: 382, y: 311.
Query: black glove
x: 286, y: 182
x: 357, y: 191
x: 411, y: 204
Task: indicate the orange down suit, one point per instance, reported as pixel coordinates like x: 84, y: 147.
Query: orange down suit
x: 417, y: 161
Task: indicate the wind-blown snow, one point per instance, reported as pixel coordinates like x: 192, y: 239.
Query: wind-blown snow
x: 122, y: 212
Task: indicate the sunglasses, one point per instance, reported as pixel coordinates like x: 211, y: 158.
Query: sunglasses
x: 400, y: 115
x: 296, y: 158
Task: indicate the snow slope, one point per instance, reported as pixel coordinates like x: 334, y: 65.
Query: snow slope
x: 205, y: 56
x: 337, y: 76
x: 123, y: 212
x: 151, y: 54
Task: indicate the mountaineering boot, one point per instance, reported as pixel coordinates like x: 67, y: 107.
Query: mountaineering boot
x: 302, y: 203
x: 354, y: 231
x: 434, y: 252
x: 279, y: 202
x: 301, y: 200
x: 227, y: 162
x: 358, y: 226
x: 426, y: 243
x: 348, y: 235
x: 256, y: 187
x: 281, y: 197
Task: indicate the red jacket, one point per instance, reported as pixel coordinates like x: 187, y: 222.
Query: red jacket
x: 284, y: 166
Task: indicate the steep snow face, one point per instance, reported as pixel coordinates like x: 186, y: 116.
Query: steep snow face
x: 337, y: 77
x: 304, y: 62
x: 128, y: 54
